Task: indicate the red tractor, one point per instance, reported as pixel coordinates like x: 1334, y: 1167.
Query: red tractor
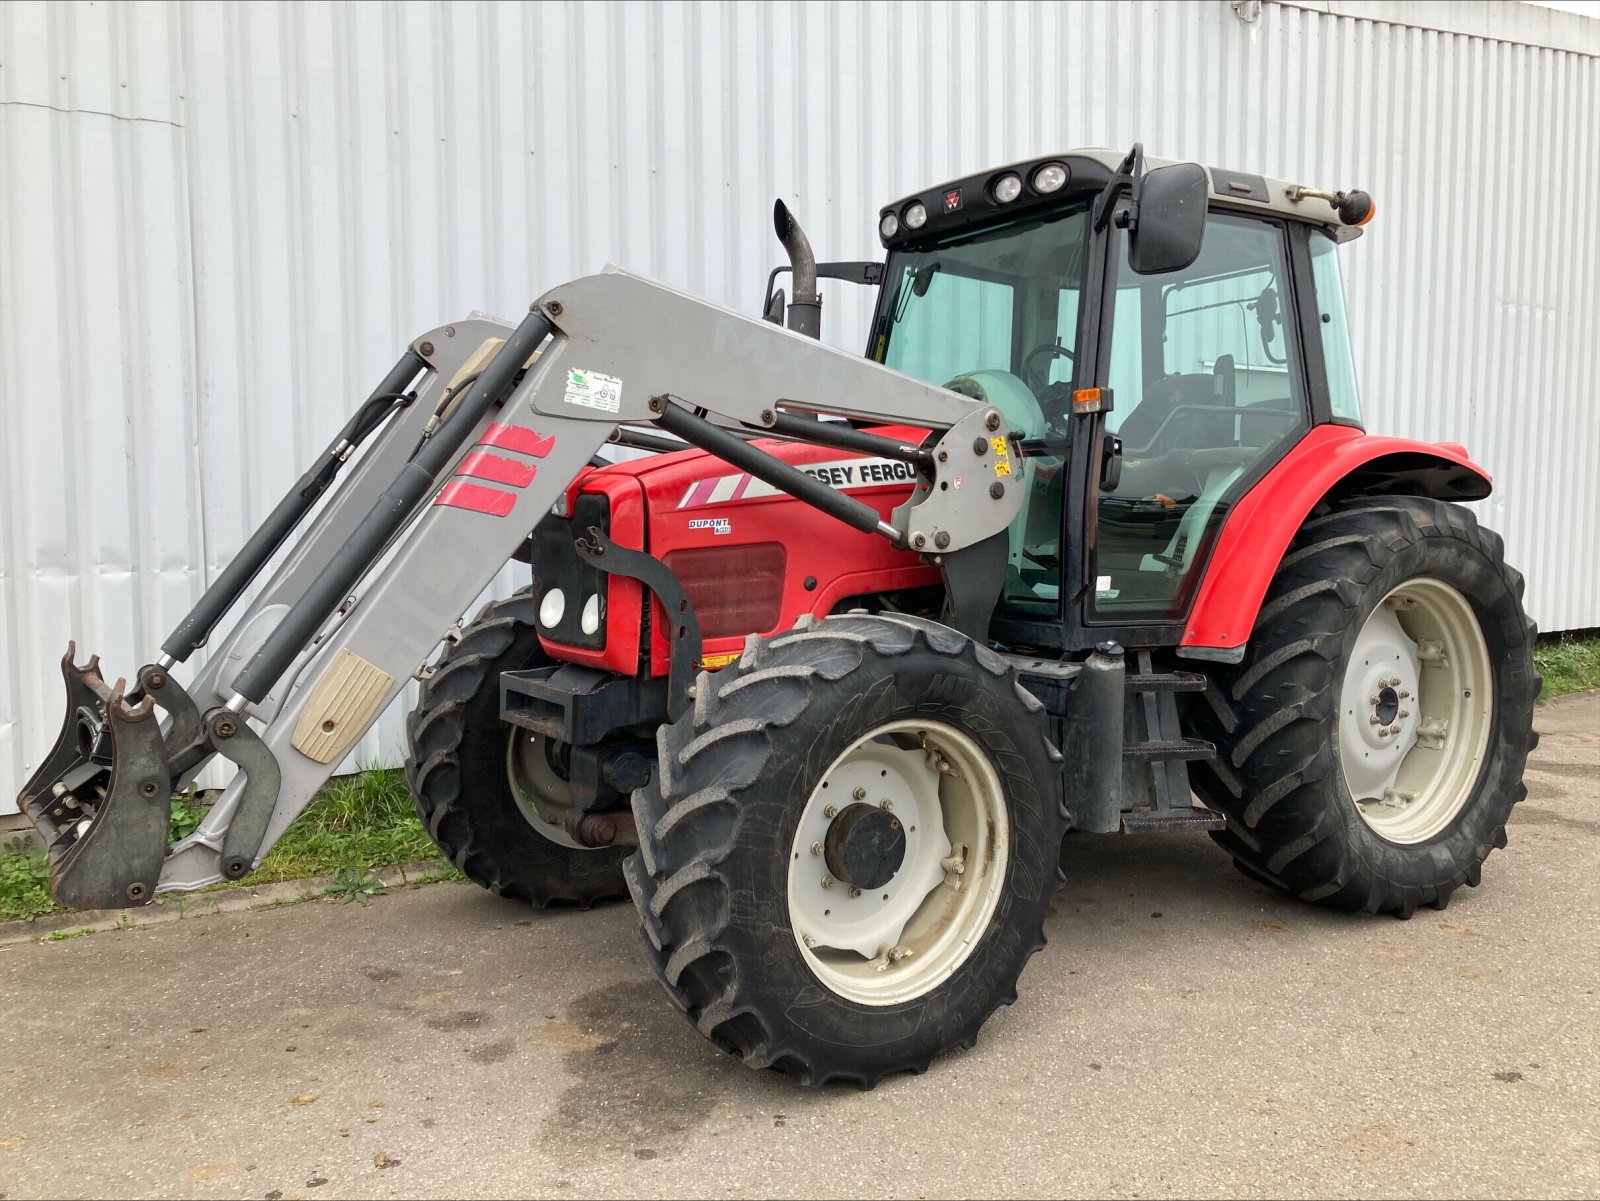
x: 1092, y: 538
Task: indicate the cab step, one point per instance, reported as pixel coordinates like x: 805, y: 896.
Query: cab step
x: 1157, y: 821
x: 1179, y: 749
x: 1166, y: 681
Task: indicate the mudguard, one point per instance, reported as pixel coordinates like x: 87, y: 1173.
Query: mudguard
x: 1330, y: 462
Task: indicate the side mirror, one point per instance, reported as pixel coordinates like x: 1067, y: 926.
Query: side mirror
x: 1172, y: 219
x: 775, y: 306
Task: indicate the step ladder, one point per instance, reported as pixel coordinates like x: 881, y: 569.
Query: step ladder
x: 1155, y: 768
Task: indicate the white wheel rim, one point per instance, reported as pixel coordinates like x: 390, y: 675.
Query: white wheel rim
x: 1415, y: 711
x: 903, y: 939
x: 543, y: 797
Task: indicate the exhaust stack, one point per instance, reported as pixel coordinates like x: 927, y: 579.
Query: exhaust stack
x: 805, y: 310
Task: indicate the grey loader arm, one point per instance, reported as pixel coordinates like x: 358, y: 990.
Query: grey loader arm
x: 617, y: 350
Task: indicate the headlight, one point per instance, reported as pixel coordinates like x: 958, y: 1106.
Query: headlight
x: 552, y: 607
x: 889, y: 226
x: 916, y: 216
x: 1051, y: 177
x: 590, y: 621
x: 1007, y: 188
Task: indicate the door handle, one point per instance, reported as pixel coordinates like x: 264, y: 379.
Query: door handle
x: 1110, y: 463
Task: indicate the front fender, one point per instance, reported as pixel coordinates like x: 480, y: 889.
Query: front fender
x: 1329, y: 463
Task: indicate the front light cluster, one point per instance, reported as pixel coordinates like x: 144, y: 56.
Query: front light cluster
x: 970, y: 199
x: 554, y: 607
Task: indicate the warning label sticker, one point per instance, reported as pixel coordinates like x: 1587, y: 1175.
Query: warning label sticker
x: 593, y: 390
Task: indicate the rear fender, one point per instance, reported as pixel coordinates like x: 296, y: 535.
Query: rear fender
x: 1330, y: 463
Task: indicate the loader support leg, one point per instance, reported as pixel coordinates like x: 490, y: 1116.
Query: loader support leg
x: 236, y: 741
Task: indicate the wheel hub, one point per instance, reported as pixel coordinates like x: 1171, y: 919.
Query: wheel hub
x: 536, y: 770
x: 898, y: 861
x: 1415, y: 710
x: 865, y: 846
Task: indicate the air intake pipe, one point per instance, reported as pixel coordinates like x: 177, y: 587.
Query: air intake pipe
x: 805, y: 310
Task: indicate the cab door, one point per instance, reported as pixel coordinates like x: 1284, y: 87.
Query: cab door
x: 1209, y: 390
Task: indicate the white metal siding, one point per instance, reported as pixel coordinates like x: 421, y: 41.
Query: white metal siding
x: 219, y: 222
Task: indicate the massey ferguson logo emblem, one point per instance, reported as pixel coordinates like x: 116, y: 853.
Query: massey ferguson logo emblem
x: 952, y: 200
x: 844, y: 474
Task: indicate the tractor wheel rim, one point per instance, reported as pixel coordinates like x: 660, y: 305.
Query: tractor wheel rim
x: 905, y: 937
x: 1416, y: 710
x: 543, y: 797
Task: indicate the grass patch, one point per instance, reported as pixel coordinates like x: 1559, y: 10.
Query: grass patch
x: 354, y: 825
x: 1568, y: 662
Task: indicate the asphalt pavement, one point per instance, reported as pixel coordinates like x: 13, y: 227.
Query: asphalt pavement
x: 1186, y: 1032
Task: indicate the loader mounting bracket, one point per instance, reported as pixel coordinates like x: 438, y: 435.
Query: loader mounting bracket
x: 123, y: 793
x: 683, y: 632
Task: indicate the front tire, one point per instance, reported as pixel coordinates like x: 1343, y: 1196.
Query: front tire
x: 463, y: 761
x: 1372, y: 742
x: 799, y: 920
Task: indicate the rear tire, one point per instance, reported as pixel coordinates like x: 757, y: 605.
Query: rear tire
x: 723, y: 838
x: 1302, y: 723
x: 457, y: 769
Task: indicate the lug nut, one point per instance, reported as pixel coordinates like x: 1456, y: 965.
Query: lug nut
x: 809, y: 940
x: 816, y: 848
x: 859, y: 793
x: 980, y: 446
x: 1373, y: 699
x: 886, y: 804
x: 1373, y: 720
x: 831, y: 811
x: 1405, y: 713
x: 854, y: 892
x: 828, y: 881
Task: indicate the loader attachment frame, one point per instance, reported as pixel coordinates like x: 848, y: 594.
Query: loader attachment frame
x: 478, y: 431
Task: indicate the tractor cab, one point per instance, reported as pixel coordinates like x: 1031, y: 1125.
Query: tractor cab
x: 1152, y: 383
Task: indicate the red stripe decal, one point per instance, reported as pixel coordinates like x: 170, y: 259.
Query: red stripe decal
x: 738, y: 491
x: 518, y: 438
x: 701, y: 495
x: 459, y: 494
x: 480, y: 464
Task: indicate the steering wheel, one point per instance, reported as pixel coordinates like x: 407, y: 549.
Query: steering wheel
x: 1031, y: 375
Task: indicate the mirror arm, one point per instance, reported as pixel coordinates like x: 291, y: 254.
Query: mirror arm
x: 1130, y: 175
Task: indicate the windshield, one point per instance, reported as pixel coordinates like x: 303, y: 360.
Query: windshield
x: 994, y: 315
x: 1003, y: 301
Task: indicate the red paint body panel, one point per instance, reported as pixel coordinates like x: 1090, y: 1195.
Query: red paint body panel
x: 690, y: 499
x: 1261, y: 525
x: 624, y: 596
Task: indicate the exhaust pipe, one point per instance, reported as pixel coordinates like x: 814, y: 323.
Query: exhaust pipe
x: 805, y: 310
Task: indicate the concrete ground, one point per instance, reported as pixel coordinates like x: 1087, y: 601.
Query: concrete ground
x: 1185, y: 1033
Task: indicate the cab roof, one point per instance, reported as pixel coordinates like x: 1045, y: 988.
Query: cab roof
x: 972, y: 200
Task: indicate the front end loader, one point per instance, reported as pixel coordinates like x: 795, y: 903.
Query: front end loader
x: 1091, y: 538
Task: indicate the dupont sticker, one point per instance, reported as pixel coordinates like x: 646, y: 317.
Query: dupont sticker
x: 717, y: 525
x: 594, y: 391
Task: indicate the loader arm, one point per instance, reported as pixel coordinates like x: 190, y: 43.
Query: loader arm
x: 496, y: 424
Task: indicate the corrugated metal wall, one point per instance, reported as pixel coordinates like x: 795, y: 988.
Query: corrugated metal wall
x: 219, y: 221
